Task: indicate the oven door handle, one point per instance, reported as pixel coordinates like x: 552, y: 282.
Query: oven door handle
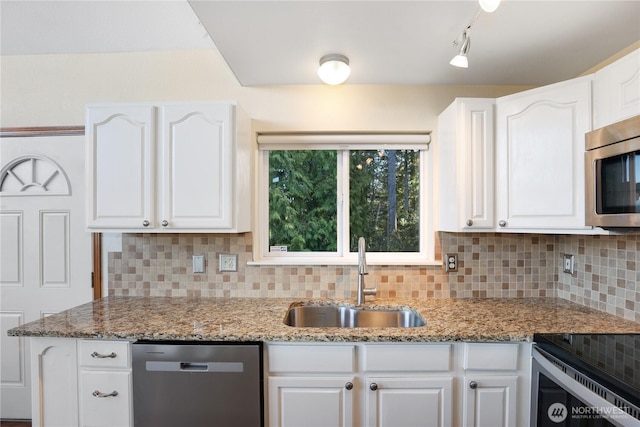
x: 581, y: 392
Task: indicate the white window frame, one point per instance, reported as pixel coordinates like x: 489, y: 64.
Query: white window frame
x: 344, y: 142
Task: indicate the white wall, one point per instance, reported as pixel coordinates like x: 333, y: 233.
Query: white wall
x: 52, y: 90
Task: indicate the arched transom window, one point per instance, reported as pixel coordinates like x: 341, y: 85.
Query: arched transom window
x: 33, y: 174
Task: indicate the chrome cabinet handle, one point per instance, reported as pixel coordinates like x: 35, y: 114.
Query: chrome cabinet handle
x: 373, y: 386
x: 145, y: 223
x: 103, y: 356
x: 348, y: 385
x: 165, y: 223
x: 100, y: 394
x: 502, y: 223
x: 469, y: 223
x: 473, y: 385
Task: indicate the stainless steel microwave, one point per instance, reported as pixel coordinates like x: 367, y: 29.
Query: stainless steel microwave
x: 612, y: 175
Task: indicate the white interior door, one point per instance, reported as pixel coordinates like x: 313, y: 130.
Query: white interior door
x: 45, y: 252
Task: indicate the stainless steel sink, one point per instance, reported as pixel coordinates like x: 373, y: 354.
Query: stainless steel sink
x: 344, y: 316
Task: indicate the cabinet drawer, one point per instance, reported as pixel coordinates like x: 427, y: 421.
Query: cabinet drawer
x: 311, y: 358
x: 491, y: 356
x: 104, y: 354
x: 113, y: 408
x: 407, y: 357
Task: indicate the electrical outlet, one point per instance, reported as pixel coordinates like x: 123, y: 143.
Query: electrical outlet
x: 568, y: 264
x: 228, y: 262
x: 450, y: 262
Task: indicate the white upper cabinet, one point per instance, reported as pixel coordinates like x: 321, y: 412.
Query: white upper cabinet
x: 169, y: 167
x: 540, y: 157
x: 617, y: 91
x: 196, y: 186
x: 516, y: 163
x: 121, y: 166
x: 465, y: 167
x: 519, y: 167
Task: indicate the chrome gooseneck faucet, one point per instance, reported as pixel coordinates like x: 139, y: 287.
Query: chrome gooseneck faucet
x: 362, y: 271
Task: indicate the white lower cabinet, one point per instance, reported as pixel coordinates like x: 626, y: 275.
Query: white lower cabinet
x: 409, y: 401
x: 496, y: 384
x: 81, y: 383
x: 105, y: 383
x: 398, y: 384
x: 490, y: 400
x: 408, y: 384
x: 89, y: 383
x: 104, y: 398
x: 54, y: 382
x: 360, y: 384
x: 311, y: 385
x: 311, y: 401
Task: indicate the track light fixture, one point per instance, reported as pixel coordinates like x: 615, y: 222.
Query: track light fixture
x: 460, y: 60
x: 464, y: 41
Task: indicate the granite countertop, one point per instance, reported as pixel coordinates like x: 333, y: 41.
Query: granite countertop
x: 261, y: 319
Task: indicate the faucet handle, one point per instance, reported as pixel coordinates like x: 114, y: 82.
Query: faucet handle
x: 370, y: 291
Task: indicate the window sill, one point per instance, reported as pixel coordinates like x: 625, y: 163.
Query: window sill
x: 332, y: 262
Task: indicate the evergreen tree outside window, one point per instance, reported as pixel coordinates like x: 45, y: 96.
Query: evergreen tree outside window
x: 320, y: 193
x: 303, y: 200
x: 384, y: 200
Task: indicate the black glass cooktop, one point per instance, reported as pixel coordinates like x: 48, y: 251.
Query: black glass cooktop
x: 612, y: 360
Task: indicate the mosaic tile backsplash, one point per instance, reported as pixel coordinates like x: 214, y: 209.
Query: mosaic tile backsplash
x: 490, y: 265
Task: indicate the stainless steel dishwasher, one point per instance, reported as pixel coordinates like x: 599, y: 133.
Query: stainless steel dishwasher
x: 197, y: 384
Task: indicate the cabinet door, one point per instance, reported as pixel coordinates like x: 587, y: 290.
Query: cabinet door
x: 465, y: 159
x: 395, y: 402
x: 476, y: 121
x: 490, y: 401
x: 196, y: 162
x: 311, y: 401
x: 120, y: 166
x: 54, y: 382
x: 540, y: 156
x: 617, y: 91
x: 105, y: 399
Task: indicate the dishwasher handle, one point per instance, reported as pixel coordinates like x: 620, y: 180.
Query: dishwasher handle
x: 176, y: 366
x: 188, y: 366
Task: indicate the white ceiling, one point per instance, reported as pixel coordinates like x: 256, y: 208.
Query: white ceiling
x: 95, y: 26
x: 275, y: 42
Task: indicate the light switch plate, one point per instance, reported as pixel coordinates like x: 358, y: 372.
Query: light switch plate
x: 228, y: 262
x: 568, y: 264
x: 198, y: 263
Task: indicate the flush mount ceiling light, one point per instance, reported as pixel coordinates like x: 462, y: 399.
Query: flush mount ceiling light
x: 460, y: 60
x: 489, y: 5
x: 334, y: 69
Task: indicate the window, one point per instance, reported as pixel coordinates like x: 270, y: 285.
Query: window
x: 318, y: 193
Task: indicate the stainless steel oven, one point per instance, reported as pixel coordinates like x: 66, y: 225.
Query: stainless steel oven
x: 585, y: 380
x: 612, y: 175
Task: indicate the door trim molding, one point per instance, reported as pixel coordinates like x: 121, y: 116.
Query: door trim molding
x: 14, y: 132
x: 96, y: 281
